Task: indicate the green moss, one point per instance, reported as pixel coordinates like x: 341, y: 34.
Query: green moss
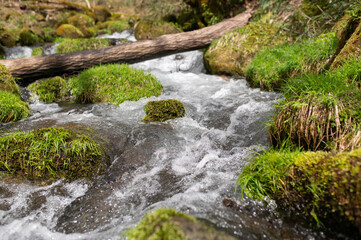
x: 37, y: 51
x: 323, y: 186
x: 271, y: 68
x: 159, y: 225
x: 12, y: 108
x: 113, y: 83
x: 321, y: 111
x: 50, y: 90
x: 49, y: 34
x: 160, y: 111
x: 152, y: 29
x: 75, y: 45
x: 68, y: 31
x: 117, y: 26
x: 28, y: 38
x: 233, y: 51
x: 49, y: 153
x: 7, y: 81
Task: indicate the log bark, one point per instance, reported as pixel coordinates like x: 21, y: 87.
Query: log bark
x: 31, y: 68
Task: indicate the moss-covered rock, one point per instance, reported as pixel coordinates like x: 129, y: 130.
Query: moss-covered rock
x: 84, y: 23
x: 37, y: 51
x: 113, y: 83
x: 81, y: 44
x: 151, y: 29
x: 323, y: 186
x: 233, y: 51
x: 101, y: 13
x: 28, y: 38
x: 68, y: 31
x: 160, y: 111
x: 12, y: 108
x: 170, y: 224
x: 6, y: 39
x: 49, y: 154
x: 50, y: 90
x: 7, y: 81
x: 351, y: 48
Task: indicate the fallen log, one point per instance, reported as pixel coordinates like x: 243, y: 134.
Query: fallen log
x: 32, y: 68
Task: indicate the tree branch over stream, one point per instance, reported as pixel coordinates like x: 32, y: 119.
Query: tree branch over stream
x: 32, y: 68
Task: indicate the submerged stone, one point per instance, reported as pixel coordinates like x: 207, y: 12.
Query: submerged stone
x: 160, y: 111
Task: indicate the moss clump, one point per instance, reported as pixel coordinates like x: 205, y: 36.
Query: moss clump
x: 12, y: 108
x: 323, y: 186
x: 68, y: 31
x: 50, y: 90
x: 152, y: 29
x: 113, y: 83
x: 48, y: 154
x: 7, y: 81
x: 28, y: 38
x: 37, y: 51
x: 159, y: 225
x: 321, y: 111
x: 160, y: 111
x: 233, y: 51
x: 271, y: 68
x: 81, y: 44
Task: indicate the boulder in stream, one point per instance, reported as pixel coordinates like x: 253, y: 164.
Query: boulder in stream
x: 68, y: 31
x: 50, y: 89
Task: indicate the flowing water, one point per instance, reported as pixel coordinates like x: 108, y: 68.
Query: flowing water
x: 190, y: 164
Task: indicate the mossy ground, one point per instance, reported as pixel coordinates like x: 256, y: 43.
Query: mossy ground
x: 159, y: 225
x: 48, y: 154
x: 160, y: 111
x: 233, y: 51
x: 321, y: 111
x: 114, y: 83
x: 323, y: 186
x: 12, y: 108
x: 68, y: 45
x: 50, y: 90
x: 270, y: 69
